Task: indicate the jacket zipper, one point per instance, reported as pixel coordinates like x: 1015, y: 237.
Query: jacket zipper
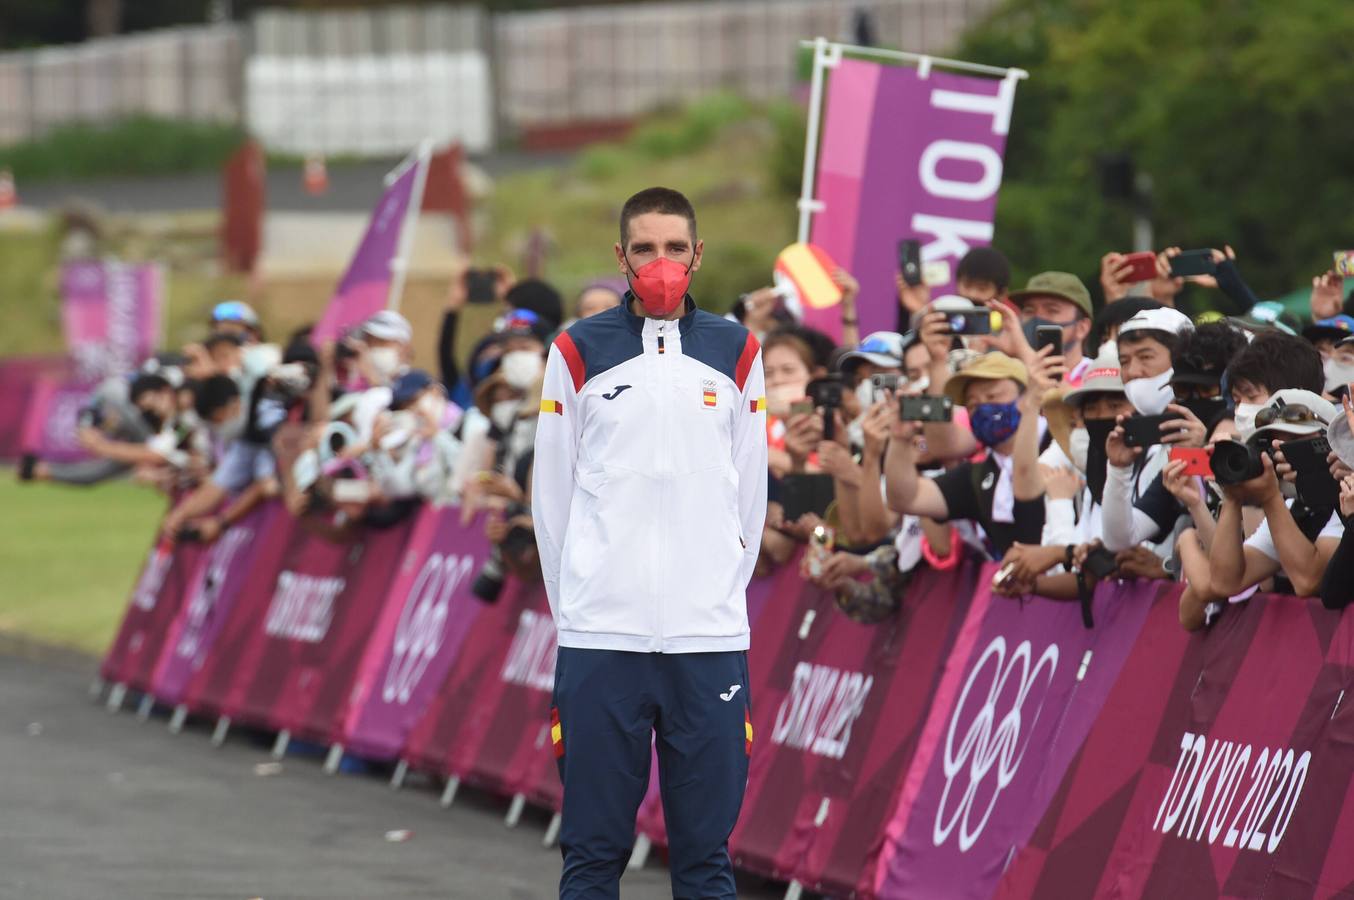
x: 664, y: 404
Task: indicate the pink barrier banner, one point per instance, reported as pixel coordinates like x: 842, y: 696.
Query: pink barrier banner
x: 18, y: 375
x: 1021, y: 689
x: 929, y: 147
x: 490, y: 721
x: 316, y: 629
x: 155, y: 603
x: 221, y: 574
x: 427, y: 614
x: 110, y: 314
x: 837, y: 708
x: 1221, y: 765
x: 365, y: 287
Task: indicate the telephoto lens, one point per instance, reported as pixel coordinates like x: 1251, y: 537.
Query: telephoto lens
x: 1234, y: 462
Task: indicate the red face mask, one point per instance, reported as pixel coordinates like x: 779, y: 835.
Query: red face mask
x: 661, y: 285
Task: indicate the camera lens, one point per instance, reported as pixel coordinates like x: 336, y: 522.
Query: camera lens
x: 1234, y: 462
x: 957, y: 323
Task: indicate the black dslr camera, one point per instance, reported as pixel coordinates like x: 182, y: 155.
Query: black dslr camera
x: 826, y: 394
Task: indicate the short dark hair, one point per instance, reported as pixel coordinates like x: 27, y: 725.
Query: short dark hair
x: 1168, y: 339
x: 217, y: 338
x: 1114, y: 315
x: 985, y: 264
x: 214, y: 393
x: 661, y: 200
x: 824, y: 348
x: 145, y: 384
x: 1275, y: 361
x: 1208, y: 349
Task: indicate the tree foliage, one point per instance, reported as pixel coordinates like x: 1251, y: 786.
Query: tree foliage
x: 1241, y: 111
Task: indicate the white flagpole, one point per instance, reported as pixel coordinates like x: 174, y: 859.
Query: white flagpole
x: 399, y: 265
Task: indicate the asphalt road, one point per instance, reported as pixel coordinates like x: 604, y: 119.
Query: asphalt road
x: 105, y: 806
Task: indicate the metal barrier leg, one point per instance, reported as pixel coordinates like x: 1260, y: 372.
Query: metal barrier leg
x: 219, y: 734
x: 176, y: 721
x: 334, y: 760
x: 449, y: 795
x: 280, y: 745
x: 552, y: 831
x: 640, y: 855
x: 144, y: 707
x: 96, y: 688
x: 519, y: 803
x: 397, y: 779
x: 794, y: 890
x: 116, y: 696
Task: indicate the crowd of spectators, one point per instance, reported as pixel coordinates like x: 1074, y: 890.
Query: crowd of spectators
x: 1068, y: 444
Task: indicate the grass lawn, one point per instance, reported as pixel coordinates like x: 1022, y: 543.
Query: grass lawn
x: 69, y: 558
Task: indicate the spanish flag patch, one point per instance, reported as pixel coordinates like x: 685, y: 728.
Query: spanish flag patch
x: 557, y: 733
x: 759, y: 405
x: 552, y: 406
x: 709, y: 394
x: 747, y: 731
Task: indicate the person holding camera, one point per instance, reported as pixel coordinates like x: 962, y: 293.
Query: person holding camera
x: 1298, y: 547
x: 1004, y: 492
x: 648, y: 498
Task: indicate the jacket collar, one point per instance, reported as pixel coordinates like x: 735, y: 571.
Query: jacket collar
x: 636, y: 323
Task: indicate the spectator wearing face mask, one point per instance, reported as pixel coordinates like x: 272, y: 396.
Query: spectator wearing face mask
x: 1059, y: 299
x: 1145, y: 344
x: 1297, y: 547
x: 1199, y: 359
x: 1005, y: 492
x: 386, y: 349
x: 1339, y: 366
x: 1337, y: 584
x: 418, y: 448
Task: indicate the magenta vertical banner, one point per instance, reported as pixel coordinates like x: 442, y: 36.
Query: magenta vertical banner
x: 428, y: 611
x: 365, y: 287
x: 51, y: 419
x: 1021, y: 690
x: 930, y: 148
x: 110, y: 314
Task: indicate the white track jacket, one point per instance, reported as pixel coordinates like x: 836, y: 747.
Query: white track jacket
x: 649, y: 483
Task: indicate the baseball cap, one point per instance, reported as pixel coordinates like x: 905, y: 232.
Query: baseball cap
x: 988, y: 367
x: 524, y: 322
x: 388, y: 325
x: 1336, y: 328
x: 235, y: 311
x: 1063, y: 285
x: 1294, y: 411
x: 408, y: 386
x: 1171, y: 321
x: 1102, y: 377
x: 883, y: 348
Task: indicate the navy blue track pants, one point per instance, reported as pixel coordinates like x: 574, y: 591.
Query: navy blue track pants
x: 609, y: 705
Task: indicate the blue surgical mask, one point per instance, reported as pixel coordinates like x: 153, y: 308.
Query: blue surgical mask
x: 994, y: 423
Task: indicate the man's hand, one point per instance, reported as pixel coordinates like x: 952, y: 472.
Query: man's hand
x: 1328, y: 295
x: 835, y: 460
x: 1182, y: 487
x: 1139, y: 562
x: 1061, y: 482
x: 912, y: 297
x: 877, y: 425
x: 1186, y: 430
x: 209, y: 529
x: 1029, y: 561
x: 803, y: 433
x: 1347, y: 496
x: 1011, y: 339
x: 1283, y: 469
x: 847, y: 283
x: 1117, y: 452
x: 90, y: 438
x: 1259, y: 490
x: 936, y: 336
x: 1164, y: 287
x: 1044, y: 370
x: 838, y: 570
x: 1113, y: 272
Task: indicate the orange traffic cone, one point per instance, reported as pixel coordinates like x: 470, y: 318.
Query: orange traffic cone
x: 315, y: 175
x: 8, y: 196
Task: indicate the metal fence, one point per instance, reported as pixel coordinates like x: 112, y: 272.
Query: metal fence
x: 181, y: 73
x: 312, y: 74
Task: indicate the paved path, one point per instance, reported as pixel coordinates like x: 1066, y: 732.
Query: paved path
x: 104, y: 806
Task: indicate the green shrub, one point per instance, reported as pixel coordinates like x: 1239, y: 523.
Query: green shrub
x: 140, y: 146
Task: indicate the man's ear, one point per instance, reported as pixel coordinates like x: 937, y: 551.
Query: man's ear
x: 696, y: 260
x: 620, y: 259
x: 1083, y: 331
